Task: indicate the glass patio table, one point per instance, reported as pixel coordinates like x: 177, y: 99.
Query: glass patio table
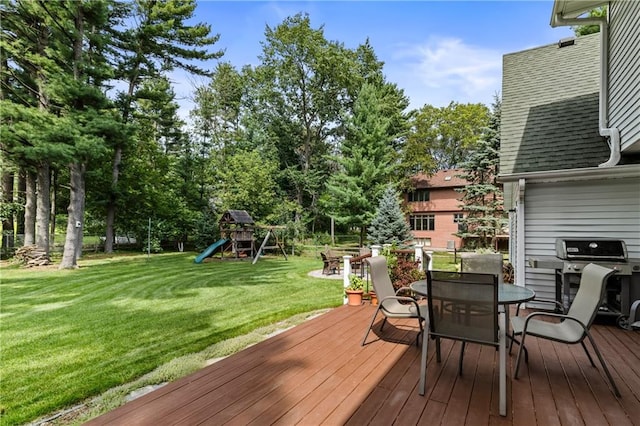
x: 508, y: 294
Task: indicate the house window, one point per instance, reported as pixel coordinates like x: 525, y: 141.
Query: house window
x: 422, y: 222
x: 457, y: 217
x: 419, y: 195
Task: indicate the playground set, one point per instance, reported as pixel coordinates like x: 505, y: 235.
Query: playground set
x: 237, y: 238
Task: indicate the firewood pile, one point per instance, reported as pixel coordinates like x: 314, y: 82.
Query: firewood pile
x: 32, y: 256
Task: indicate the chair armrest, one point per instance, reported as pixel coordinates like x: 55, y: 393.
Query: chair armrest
x: 551, y: 315
x: 413, y: 294
x: 543, y: 300
x: 402, y: 299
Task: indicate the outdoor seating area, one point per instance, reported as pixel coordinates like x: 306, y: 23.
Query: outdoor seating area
x: 319, y: 373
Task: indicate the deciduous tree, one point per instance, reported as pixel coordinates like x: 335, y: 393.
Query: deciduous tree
x: 442, y: 137
x: 300, y: 92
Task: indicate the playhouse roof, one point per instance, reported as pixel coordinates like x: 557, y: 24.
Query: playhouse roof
x: 237, y: 216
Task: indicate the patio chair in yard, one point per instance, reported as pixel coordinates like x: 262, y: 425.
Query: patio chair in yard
x: 390, y: 304
x: 463, y: 306
x: 331, y: 263
x: 574, y: 325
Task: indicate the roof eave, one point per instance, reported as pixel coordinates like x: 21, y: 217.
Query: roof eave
x: 570, y: 9
x: 589, y: 173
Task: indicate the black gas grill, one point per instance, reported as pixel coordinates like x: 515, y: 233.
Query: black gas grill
x: 576, y: 253
x: 573, y: 254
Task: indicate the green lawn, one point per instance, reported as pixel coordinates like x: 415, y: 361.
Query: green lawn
x: 69, y: 335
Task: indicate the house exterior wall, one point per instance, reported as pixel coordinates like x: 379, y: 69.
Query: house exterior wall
x: 443, y: 204
x: 624, y: 71
x: 607, y: 208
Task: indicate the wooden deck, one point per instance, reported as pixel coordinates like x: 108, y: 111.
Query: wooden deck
x: 318, y: 373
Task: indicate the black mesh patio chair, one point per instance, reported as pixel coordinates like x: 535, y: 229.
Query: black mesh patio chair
x: 462, y: 306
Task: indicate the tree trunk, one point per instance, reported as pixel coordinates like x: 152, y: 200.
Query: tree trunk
x: 111, y: 205
x: 43, y: 207
x: 54, y: 193
x: 30, y: 209
x: 83, y: 183
x: 73, y: 241
x: 20, y: 198
x: 6, y: 196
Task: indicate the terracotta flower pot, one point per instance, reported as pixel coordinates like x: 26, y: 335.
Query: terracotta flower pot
x: 354, y: 297
x: 374, y: 298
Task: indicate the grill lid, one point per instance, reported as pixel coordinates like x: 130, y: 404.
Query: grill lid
x: 591, y: 249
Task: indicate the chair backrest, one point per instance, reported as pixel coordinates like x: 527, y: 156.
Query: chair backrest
x: 489, y: 263
x: 590, y: 293
x: 463, y: 306
x: 380, y: 277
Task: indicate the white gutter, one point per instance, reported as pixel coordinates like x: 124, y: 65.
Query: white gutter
x: 564, y: 175
x: 611, y: 133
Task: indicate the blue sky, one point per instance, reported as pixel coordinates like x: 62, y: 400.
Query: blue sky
x: 437, y: 51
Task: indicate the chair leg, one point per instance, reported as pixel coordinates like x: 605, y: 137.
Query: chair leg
x: 375, y: 314
x: 588, y: 354
x: 604, y: 366
x: 438, y: 358
x: 515, y: 374
x: 513, y: 339
x: 461, y: 358
x: 384, y: 321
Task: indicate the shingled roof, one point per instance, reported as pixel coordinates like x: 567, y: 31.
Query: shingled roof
x: 441, y: 179
x: 550, y: 108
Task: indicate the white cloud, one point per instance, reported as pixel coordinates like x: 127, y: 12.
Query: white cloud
x: 442, y: 70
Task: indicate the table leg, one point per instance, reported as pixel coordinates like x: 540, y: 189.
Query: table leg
x: 503, y: 362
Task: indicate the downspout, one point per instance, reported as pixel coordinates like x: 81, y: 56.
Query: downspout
x: 611, y: 133
x: 520, y: 267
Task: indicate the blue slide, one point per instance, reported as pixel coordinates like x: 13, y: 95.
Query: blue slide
x: 210, y: 250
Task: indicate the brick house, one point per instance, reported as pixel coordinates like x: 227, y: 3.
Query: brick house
x: 435, y: 209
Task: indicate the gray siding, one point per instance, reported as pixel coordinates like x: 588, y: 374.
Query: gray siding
x: 624, y: 70
x: 550, y: 108
x: 605, y: 208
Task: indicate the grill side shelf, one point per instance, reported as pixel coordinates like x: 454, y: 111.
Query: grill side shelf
x: 545, y: 262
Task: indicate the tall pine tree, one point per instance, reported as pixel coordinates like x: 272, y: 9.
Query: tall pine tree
x: 161, y: 39
x: 364, y: 163
x: 482, y: 199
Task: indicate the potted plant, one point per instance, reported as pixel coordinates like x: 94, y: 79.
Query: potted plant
x: 355, y: 290
x: 373, y: 297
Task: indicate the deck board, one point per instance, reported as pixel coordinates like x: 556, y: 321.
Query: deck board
x: 318, y: 373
